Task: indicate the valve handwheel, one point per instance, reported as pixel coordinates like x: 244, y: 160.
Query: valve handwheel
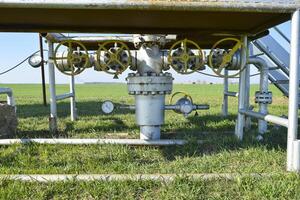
x: 76, y: 55
x: 117, y: 56
x: 183, y: 59
x: 226, y: 58
x: 185, y: 95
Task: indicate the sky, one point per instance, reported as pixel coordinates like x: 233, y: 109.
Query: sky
x: 14, y: 47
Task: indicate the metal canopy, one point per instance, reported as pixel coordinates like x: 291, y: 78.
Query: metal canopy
x: 203, y: 20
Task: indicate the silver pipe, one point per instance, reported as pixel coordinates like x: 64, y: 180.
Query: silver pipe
x: 59, y: 37
x: 293, y: 89
x: 64, y: 96
x: 10, y: 97
x: 55, y: 37
x: 225, y: 96
x: 247, y: 95
x: 264, y: 88
x: 269, y: 118
x: 201, y: 107
x: 52, y: 90
x: 239, y: 131
x: 195, y: 107
x: 7, y: 91
x: 164, y: 142
x: 125, y: 177
x: 129, y: 107
x: 296, y: 155
x: 231, y: 94
x: 172, y: 107
x: 72, y: 99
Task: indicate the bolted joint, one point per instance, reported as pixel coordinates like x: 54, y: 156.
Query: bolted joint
x: 263, y: 97
x: 149, y: 84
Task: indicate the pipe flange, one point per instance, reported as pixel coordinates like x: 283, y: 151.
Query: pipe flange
x: 150, y: 84
x: 263, y: 97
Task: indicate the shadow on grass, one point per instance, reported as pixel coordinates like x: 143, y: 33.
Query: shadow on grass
x: 116, y: 124
x: 84, y: 108
x: 217, y: 142
x: 217, y: 131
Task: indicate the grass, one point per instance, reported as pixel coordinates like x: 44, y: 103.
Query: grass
x: 221, y: 153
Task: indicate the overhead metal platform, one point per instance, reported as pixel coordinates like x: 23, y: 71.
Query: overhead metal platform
x: 204, y: 21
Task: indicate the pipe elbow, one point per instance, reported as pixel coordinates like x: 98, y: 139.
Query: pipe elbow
x: 260, y: 62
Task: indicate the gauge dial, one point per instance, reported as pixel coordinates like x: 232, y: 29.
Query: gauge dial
x: 107, y: 107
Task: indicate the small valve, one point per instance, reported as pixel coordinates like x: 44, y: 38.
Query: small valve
x: 185, y: 105
x: 113, y: 57
x: 220, y: 59
x: 71, y: 57
x: 183, y: 59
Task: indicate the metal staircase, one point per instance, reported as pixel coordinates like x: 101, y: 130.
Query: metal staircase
x: 277, y: 57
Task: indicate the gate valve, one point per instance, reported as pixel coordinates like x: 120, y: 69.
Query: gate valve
x: 184, y: 105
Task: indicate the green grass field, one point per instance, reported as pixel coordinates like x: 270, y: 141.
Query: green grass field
x: 221, y: 153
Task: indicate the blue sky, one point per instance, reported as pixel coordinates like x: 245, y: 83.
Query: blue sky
x: 14, y: 47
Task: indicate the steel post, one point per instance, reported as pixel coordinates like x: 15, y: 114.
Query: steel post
x: 52, y: 90
x: 247, y: 96
x: 263, y: 107
x: 43, y: 70
x: 72, y: 99
x: 239, y: 131
x: 225, y: 96
x: 293, y: 92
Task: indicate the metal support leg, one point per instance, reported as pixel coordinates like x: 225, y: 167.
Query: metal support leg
x: 53, y: 109
x: 292, y: 160
x: 247, y: 97
x: 72, y: 99
x: 239, y: 131
x: 225, y: 96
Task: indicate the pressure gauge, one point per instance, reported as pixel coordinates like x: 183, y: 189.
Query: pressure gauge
x: 35, y: 60
x: 107, y: 107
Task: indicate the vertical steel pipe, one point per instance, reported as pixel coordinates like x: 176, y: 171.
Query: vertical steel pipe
x: 225, y: 96
x: 263, y: 107
x: 264, y: 88
x: 149, y: 114
x: 72, y: 99
x: 52, y: 90
x: 293, y: 89
x: 239, y: 131
x: 247, y: 96
x: 43, y: 71
x: 10, y: 99
x: 296, y: 155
